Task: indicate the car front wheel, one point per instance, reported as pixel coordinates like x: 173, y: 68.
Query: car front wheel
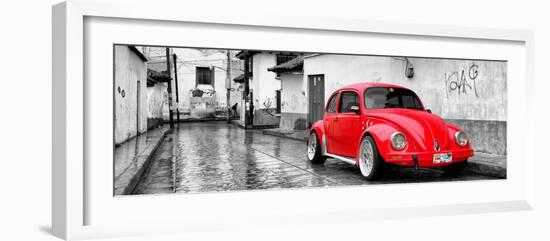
x: 314, y: 154
x: 370, y: 162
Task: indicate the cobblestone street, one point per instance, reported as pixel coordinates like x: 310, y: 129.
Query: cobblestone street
x: 215, y: 156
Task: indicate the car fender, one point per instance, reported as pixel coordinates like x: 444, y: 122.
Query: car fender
x: 380, y: 133
x: 319, y: 128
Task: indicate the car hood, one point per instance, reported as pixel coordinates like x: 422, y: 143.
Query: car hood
x: 422, y: 127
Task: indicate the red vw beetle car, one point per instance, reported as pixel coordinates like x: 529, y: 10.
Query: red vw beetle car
x: 372, y: 124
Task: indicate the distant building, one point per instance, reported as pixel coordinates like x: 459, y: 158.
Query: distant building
x: 264, y: 85
x: 201, y: 75
x: 294, y: 114
x: 156, y: 97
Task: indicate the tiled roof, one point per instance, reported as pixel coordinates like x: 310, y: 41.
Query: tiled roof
x: 155, y: 76
x: 296, y: 64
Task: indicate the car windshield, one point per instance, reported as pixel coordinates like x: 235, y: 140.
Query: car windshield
x: 388, y: 97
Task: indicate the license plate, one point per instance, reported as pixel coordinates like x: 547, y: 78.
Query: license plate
x: 443, y: 158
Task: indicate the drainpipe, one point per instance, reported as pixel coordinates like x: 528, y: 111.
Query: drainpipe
x: 228, y: 85
x: 246, y: 91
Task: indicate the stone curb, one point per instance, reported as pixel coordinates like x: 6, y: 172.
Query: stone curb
x: 256, y: 127
x: 135, y: 179
x: 486, y: 169
x: 278, y: 134
x: 474, y: 166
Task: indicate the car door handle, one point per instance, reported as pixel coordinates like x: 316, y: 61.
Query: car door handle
x: 336, y: 118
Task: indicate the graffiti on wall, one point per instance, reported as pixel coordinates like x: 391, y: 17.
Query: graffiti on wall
x: 121, y: 92
x: 334, y: 86
x: 463, y: 81
x: 268, y: 107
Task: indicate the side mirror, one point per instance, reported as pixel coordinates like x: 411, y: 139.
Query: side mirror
x: 429, y: 111
x: 355, y: 108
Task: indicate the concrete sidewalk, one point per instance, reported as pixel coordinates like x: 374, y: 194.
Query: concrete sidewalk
x: 481, y: 163
x: 241, y: 124
x: 299, y: 135
x: 132, y: 157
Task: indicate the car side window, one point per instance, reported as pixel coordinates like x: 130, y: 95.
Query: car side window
x: 331, y: 107
x: 348, y: 99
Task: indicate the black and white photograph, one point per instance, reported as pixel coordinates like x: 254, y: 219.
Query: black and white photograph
x: 194, y: 120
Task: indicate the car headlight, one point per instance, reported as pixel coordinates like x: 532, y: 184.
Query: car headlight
x: 398, y: 141
x: 461, y: 138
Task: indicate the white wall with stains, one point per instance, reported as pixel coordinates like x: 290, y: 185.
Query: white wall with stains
x: 263, y: 85
x: 293, y: 96
x: 156, y: 96
x: 265, y: 82
x: 453, y: 89
x: 130, y: 94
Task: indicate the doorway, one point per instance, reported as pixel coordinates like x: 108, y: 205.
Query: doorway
x: 316, y: 85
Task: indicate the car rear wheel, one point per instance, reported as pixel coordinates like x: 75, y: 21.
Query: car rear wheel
x: 314, y: 154
x: 370, y: 162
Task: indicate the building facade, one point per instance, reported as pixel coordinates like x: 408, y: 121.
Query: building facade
x: 469, y: 93
x: 202, y: 81
x: 264, y: 98
x: 157, y: 96
x: 130, y: 94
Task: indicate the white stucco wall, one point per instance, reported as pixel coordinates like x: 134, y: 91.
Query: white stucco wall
x: 155, y: 100
x: 264, y: 82
x: 483, y: 96
x: 129, y: 69
x: 293, y: 96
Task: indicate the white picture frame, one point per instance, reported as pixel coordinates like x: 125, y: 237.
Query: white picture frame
x: 72, y: 192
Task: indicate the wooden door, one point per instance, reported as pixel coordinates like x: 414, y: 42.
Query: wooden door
x: 316, y: 85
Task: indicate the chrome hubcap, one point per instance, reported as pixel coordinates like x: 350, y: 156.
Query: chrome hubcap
x: 312, y: 147
x: 366, y: 158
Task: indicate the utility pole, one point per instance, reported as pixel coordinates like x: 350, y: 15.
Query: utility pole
x: 228, y: 85
x: 177, y: 89
x: 169, y: 89
x: 246, y: 91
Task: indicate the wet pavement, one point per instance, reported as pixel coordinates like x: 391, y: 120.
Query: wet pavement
x: 216, y: 156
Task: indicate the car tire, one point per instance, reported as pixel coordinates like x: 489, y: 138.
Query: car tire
x: 370, y: 162
x: 455, y: 168
x: 314, y: 154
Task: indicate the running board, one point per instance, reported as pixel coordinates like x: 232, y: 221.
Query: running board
x: 341, y: 158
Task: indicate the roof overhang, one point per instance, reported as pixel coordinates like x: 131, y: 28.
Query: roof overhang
x: 138, y: 53
x: 293, y: 65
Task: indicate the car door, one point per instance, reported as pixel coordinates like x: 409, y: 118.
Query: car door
x: 328, y: 121
x: 347, y: 124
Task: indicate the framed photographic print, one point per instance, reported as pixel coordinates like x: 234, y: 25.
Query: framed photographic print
x: 212, y: 122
